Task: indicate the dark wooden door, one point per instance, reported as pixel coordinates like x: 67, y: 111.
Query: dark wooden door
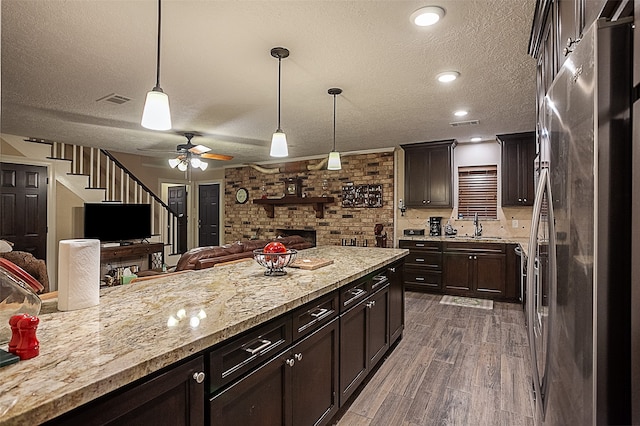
x: 457, y: 273
x: 518, y: 156
x: 258, y: 399
x: 209, y: 215
x: 353, y: 350
x: 315, y: 377
x: 177, y: 201
x: 172, y: 398
x: 396, y: 301
x: 490, y: 274
x: 23, y: 207
x: 378, y: 336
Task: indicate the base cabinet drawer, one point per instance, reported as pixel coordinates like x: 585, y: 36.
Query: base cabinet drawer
x: 421, y: 279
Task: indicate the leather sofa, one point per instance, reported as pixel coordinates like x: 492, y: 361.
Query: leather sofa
x: 206, y: 257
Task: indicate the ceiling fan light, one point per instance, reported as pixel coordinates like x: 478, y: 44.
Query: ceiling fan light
x: 183, y: 166
x: 156, y: 114
x: 279, y: 144
x: 195, y: 162
x: 174, y: 162
x: 427, y: 16
x: 203, y: 165
x: 334, y: 161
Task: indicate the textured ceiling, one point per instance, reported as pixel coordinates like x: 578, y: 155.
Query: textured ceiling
x: 60, y: 57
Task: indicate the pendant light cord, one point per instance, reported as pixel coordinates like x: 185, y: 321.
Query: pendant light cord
x: 279, y: 89
x: 334, y: 123
x: 158, y: 56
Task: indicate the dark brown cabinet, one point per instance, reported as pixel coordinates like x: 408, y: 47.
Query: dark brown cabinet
x: 475, y: 269
x: 428, y: 174
x: 423, y: 265
x: 364, y: 339
x: 518, y: 156
x: 174, y: 397
x: 396, y: 301
x: 299, y: 386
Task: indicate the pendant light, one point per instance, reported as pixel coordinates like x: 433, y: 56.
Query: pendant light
x: 156, y: 114
x: 279, y: 139
x: 334, y: 156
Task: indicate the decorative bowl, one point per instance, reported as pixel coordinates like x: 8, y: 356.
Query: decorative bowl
x: 274, y: 262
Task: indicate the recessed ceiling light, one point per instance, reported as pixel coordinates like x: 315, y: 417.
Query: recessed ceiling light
x: 476, y: 139
x: 448, y: 76
x: 426, y: 16
x: 460, y: 113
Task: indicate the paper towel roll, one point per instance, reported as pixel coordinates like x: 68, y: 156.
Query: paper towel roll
x: 78, y: 274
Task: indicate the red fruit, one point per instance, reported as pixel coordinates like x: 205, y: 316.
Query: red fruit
x: 275, y: 247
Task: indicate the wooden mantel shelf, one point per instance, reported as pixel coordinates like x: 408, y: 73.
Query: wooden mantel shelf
x: 317, y: 202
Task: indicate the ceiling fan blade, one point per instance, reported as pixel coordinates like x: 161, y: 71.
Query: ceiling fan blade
x: 199, y: 149
x: 217, y: 156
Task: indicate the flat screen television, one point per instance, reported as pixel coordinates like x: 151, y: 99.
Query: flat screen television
x: 115, y: 222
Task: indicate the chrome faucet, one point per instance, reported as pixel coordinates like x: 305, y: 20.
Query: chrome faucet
x: 477, y: 227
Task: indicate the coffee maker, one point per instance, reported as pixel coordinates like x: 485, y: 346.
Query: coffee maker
x: 435, y: 229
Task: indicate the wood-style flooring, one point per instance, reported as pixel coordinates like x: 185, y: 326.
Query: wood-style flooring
x: 453, y: 366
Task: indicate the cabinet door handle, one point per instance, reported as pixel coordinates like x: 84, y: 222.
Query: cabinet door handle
x: 263, y: 344
x: 424, y: 201
x: 290, y: 362
x: 298, y: 357
x: 392, y: 270
x: 198, y: 376
x: 319, y: 313
x: 470, y: 257
x: 475, y: 257
x: 428, y: 201
x: 520, y: 199
x: 525, y: 200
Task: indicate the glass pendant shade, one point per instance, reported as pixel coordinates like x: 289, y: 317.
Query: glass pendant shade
x: 195, y: 162
x: 334, y: 161
x: 156, y: 114
x: 279, y: 144
x: 174, y: 162
x: 183, y: 166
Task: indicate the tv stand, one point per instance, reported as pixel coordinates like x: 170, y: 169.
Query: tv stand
x: 154, y: 251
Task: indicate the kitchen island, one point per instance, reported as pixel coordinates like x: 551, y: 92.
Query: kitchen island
x: 140, y: 329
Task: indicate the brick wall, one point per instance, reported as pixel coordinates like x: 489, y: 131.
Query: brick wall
x: 245, y: 221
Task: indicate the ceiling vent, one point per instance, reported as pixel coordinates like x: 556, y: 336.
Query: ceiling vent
x: 465, y: 123
x: 114, y: 98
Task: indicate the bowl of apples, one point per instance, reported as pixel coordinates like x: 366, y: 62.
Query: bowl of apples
x: 274, y: 257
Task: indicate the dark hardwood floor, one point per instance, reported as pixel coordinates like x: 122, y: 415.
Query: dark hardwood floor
x: 453, y: 366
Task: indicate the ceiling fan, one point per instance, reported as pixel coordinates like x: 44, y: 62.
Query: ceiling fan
x: 192, y: 155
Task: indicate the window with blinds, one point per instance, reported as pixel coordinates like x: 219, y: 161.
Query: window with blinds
x: 478, y: 192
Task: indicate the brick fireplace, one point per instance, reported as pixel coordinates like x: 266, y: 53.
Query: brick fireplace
x: 249, y: 220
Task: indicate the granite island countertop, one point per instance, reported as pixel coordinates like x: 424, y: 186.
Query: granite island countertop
x: 141, y: 328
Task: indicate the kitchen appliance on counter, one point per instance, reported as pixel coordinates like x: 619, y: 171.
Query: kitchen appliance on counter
x: 410, y: 232
x: 580, y: 268
x: 435, y: 226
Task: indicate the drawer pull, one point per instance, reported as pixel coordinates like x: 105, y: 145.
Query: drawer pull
x: 355, y: 292
x: 263, y: 344
x: 419, y: 278
x: 419, y: 259
x: 419, y: 245
x: 319, y: 313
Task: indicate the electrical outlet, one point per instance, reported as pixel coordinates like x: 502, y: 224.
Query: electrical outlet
x: 514, y: 223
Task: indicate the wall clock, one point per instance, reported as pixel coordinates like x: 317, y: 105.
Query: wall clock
x: 242, y: 195
x: 293, y: 187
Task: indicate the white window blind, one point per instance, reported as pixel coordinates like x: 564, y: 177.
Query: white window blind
x: 478, y: 191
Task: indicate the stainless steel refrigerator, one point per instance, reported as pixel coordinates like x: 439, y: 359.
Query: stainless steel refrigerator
x: 579, y: 278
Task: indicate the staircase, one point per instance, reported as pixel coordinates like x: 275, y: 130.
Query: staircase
x: 99, y: 176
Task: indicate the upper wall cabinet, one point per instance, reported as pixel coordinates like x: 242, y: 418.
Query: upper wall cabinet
x: 518, y: 156
x: 427, y: 174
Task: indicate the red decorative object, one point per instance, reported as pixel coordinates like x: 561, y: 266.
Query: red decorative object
x: 275, y: 247
x: 15, y: 333
x: 29, y: 346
